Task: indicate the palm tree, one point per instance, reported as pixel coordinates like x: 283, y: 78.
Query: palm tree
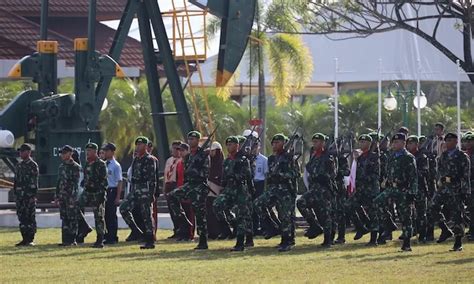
x: 288, y: 59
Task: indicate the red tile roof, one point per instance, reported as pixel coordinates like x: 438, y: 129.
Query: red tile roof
x: 106, y: 9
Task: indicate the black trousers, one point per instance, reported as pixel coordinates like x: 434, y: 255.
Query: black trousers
x: 111, y: 221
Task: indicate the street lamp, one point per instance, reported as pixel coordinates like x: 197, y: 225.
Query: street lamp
x: 403, y: 96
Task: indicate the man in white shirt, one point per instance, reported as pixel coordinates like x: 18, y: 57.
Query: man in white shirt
x: 170, y: 177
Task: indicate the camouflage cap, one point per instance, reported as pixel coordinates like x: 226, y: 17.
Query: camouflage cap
x: 279, y: 137
x: 399, y: 136
x: 232, y: 139
x: 450, y: 135
x: 413, y: 139
x: 141, y: 139
x: 194, y: 134
x: 25, y: 147
x: 241, y: 139
x: 65, y: 149
x: 365, y: 137
x: 92, y: 146
x: 319, y: 136
x: 376, y: 136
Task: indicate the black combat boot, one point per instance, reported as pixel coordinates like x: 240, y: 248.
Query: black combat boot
x: 249, y: 240
x: 327, y: 243
x: 373, y: 239
x: 202, y: 243
x: 285, y: 244
x: 239, y: 245
x: 30, y: 237
x: 361, y: 229
x: 446, y: 233
x: 23, y: 240
x: 422, y: 235
x: 99, y: 243
x: 341, y: 234
x: 381, y: 240
x: 68, y: 240
x: 457, y: 244
x: 225, y: 230
x: 149, y: 242
x: 135, y: 235
x: 471, y: 229
x: 406, y: 244
x: 314, y: 230
x: 83, y: 234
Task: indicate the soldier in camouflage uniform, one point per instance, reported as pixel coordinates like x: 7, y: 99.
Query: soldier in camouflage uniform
x: 421, y: 201
x: 25, y: 188
x: 196, y: 171
x: 95, y: 186
x: 341, y: 198
x: 66, y: 196
x: 279, y: 193
x: 142, y: 191
x: 470, y: 152
x: 400, y: 185
x: 453, y: 191
x: 367, y: 188
x: 321, y: 173
x: 235, y: 193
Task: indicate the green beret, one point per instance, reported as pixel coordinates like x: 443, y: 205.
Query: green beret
x: 465, y: 136
x: 232, y: 139
x: 399, y: 136
x: 376, y: 136
x: 365, y: 137
x: 24, y: 147
x: 469, y: 137
x: 413, y: 138
x: 141, y: 139
x: 319, y: 136
x: 439, y: 124
x: 92, y: 146
x: 194, y: 134
x: 450, y: 135
x: 279, y: 137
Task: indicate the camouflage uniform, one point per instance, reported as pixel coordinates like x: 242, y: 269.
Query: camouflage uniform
x: 235, y: 194
x: 471, y: 207
x: 321, y: 169
x: 95, y: 186
x: 66, y: 194
x: 421, y: 201
x: 341, y: 195
x: 453, y: 189
x: 367, y: 188
x: 400, y: 186
x: 25, y: 188
x: 142, y: 192
x: 196, y: 171
x: 280, y: 191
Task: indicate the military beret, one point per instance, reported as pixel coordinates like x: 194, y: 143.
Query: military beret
x: 92, y: 146
x: 24, y: 147
x: 399, y: 136
x: 279, y: 137
x: 65, y: 149
x: 194, y: 134
x: 109, y: 146
x: 422, y: 138
x: 184, y: 146
x: 232, y: 139
x: 413, y: 138
x: 439, y: 124
x: 450, y: 135
x: 465, y: 136
x: 469, y: 137
x: 150, y: 143
x: 241, y: 139
x: 319, y: 136
x: 141, y: 139
x: 365, y: 137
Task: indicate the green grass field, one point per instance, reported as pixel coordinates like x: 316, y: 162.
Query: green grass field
x: 178, y: 262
